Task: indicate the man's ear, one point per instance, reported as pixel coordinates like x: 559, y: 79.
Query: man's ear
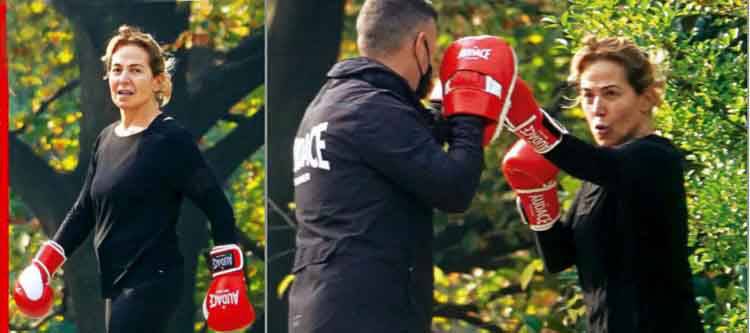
x: 421, y: 37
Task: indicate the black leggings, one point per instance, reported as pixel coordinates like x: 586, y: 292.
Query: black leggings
x: 146, y: 306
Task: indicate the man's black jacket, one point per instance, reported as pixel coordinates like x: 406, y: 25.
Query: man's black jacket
x: 368, y: 172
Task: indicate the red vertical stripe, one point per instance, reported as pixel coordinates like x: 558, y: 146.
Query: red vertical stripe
x: 4, y: 200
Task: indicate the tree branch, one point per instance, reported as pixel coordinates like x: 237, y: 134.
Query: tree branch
x: 739, y: 129
x: 467, y: 313
x: 37, y: 183
x: 509, y: 290
x: 498, y: 239
x: 222, y: 86
x: 251, y: 45
x: 45, y: 104
x: 286, y: 216
x: 688, y: 88
x: 244, y: 140
x: 250, y: 245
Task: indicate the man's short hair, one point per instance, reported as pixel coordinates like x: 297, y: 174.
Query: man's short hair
x: 382, y: 25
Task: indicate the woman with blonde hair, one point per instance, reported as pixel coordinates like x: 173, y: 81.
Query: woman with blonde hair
x: 626, y: 231
x: 141, y: 168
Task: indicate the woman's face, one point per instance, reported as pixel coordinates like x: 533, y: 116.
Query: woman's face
x: 614, y: 111
x: 131, y: 82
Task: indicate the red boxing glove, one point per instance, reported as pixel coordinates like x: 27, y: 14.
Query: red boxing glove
x: 532, y: 177
x: 478, y: 75
x: 530, y: 123
x: 32, y: 293
x: 226, y: 306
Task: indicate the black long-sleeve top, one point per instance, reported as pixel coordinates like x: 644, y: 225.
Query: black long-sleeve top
x: 369, y: 172
x: 626, y: 232
x: 131, y: 198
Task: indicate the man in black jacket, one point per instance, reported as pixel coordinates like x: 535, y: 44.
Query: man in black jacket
x: 368, y: 173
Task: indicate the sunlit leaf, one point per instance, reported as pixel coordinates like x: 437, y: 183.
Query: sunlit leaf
x: 283, y: 285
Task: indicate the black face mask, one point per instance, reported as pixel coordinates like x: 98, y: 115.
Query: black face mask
x: 425, y: 80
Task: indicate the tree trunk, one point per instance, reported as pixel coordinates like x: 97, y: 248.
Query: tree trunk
x: 294, y: 77
x: 193, y: 236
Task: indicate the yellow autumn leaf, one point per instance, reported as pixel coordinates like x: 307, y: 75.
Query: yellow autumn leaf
x: 70, y: 162
x: 535, y: 39
x: 65, y: 56
x: 59, y: 144
x: 252, y: 271
x: 527, y: 274
x: 240, y: 30
x: 440, y: 278
x: 70, y: 118
x: 440, y: 297
x: 462, y: 297
x: 284, y: 284
x: 22, y: 11
x: 56, y: 36
x: 19, y: 67
x: 349, y: 46
x: 30, y: 80
x: 204, y: 7
x: 27, y: 32
x: 537, y: 61
x: 37, y: 7
x: 576, y: 112
x: 59, y: 81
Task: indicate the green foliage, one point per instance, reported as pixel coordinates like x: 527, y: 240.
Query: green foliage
x: 41, y: 62
x: 703, y: 48
x: 222, y: 24
x: 248, y: 199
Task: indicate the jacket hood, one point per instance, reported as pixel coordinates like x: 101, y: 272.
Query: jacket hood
x: 375, y: 73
